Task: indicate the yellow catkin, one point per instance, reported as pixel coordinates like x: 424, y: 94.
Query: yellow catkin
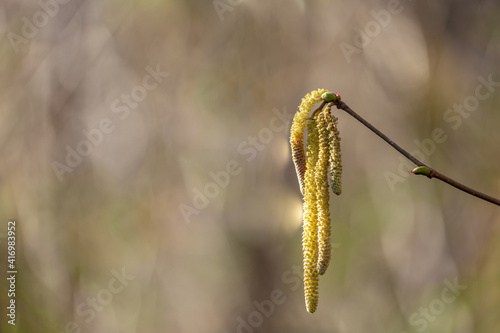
x: 310, y: 228
x: 323, y: 195
x: 297, y: 134
x: 335, y: 162
x: 312, y: 166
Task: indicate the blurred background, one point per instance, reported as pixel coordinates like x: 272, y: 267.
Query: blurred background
x: 144, y: 156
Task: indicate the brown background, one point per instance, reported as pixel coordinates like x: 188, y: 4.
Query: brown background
x: 396, y: 250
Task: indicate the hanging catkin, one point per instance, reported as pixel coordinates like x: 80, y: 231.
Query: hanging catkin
x: 313, y: 165
x: 323, y: 195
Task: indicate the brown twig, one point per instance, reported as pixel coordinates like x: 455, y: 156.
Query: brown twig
x: 432, y: 174
x: 312, y: 113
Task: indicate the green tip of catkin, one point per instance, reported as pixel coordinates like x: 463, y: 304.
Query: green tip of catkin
x: 330, y: 97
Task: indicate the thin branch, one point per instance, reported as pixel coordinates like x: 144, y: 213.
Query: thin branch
x: 432, y: 174
x: 313, y: 113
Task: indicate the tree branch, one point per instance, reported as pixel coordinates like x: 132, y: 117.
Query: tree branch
x: 430, y: 173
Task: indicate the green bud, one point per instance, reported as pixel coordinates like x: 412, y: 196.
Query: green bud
x: 421, y: 170
x: 328, y: 96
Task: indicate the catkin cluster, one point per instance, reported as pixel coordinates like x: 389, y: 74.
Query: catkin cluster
x: 313, y: 165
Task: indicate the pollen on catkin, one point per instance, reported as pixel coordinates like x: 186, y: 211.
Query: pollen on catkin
x: 314, y: 164
x: 310, y: 222
x: 323, y: 196
x: 297, y: 134
x: 335, y: 160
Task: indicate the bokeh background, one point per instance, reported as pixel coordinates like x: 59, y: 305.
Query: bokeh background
x: 410, y: 254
